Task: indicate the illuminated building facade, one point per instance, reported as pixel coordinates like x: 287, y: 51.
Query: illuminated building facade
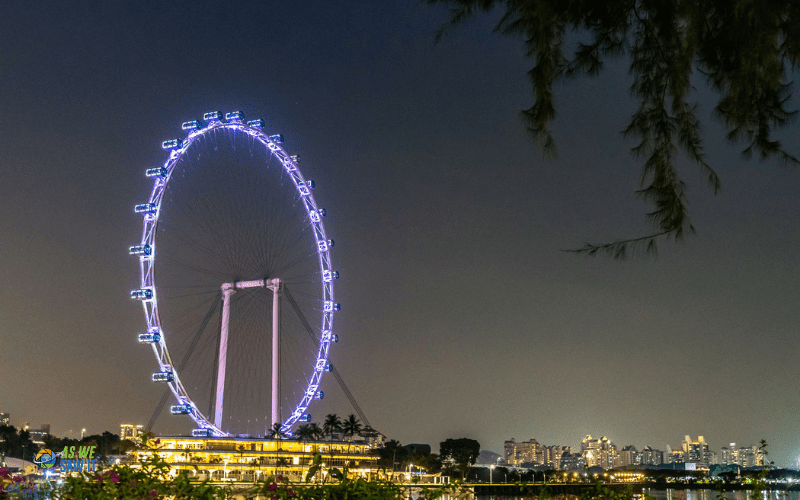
x: 131, y: 432
x: 744, y: 456
x: 652, y: 457
x: 553, y: 454
x: 629, y: 456
x: 251, y: 459
x: 524, y: 452
x: 696, y: 452
x: 599, y: 452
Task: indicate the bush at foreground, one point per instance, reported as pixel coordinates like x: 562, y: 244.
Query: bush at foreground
x: 152, y: 481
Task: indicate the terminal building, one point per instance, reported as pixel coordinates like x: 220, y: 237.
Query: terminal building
x: 252, y: 459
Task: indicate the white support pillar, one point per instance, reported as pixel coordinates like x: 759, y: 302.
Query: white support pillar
x: 227, y: 291
x: 274, y: 285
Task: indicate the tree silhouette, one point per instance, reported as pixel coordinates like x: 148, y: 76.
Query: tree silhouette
x: 332, y: 425
x: 351, y: 427
x: 745, y: 49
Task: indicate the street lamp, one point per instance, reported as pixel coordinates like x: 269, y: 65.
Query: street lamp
x: 82, y: 432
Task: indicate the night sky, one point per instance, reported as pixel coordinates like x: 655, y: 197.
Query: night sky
x: 461, y: 316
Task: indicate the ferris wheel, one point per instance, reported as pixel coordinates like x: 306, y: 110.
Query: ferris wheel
x: 240, y: 239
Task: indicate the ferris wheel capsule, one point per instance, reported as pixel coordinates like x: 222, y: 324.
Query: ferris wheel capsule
x: 146, y: 208
x: 144, y: 250
x: 257, y: 123
x: 172, y: 144
x: 160, y: 172
x: 276, y: 138
x: 163, y: 377
x: 212, y: 116
x: 202, y: 433
x: 180, y: 409
x: 192, y: 125
x: 234, y: 116
x: 142, y: 294
x: 151, y: 337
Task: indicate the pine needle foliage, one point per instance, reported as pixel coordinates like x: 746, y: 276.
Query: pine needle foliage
x: 745, y: 48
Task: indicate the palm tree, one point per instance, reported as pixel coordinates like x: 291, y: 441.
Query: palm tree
x: 332, y: 425
x: 317, y: 433
x: 351, y: 427
x: 304, y: 433
x: 276, y: 432
x: 392, y: 446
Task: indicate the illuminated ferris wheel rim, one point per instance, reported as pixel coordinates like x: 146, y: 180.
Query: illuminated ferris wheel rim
x: 146, y: 251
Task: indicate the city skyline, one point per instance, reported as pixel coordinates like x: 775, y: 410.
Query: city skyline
x: 541, y: 453
x: 461, y: 315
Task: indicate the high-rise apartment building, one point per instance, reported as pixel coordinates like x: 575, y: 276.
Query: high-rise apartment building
x: 728, y: 455
x: 601, y: 452
x: 553, y: 454
x: 524, y: 452
x: 652, y: 457
x: 572, y: 461
x: 696, y: 452
x: 132, y: 432
x: 629, y: 455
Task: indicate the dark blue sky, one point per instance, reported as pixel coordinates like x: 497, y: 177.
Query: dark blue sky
x: 461, y: 316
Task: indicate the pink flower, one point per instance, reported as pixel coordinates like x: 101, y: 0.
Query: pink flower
x: 18, y: 479
x: 280, y: 478
x: 273, y: 498
x: 113, y: 476
x: 158, y: 441
x: 153, y: 493
x: 291, y: 492
x: 272, y: 486
x: 5, y: 473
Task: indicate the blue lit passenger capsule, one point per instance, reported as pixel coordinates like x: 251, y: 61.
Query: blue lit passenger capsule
x: 163, y: 377
x: 142, y: 294
x: 145, y: 208
x: 201, y: 433
x: 329, y: 368
x: 322, y: 212
x: 276, y: 138
x: 192, y: 125
x: 234, y: 116
x: 295, y: 158
x: 140, y: 250
x: 257, y: 123
x: 151, y: 337
x: 320, y: 395
x: 180, y: 409
x: 212, y: 116
x: 156, y: 172
x: 330, y: 275
x: 311, y: 184
x: 306, y: 418
x: 172, y: 144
